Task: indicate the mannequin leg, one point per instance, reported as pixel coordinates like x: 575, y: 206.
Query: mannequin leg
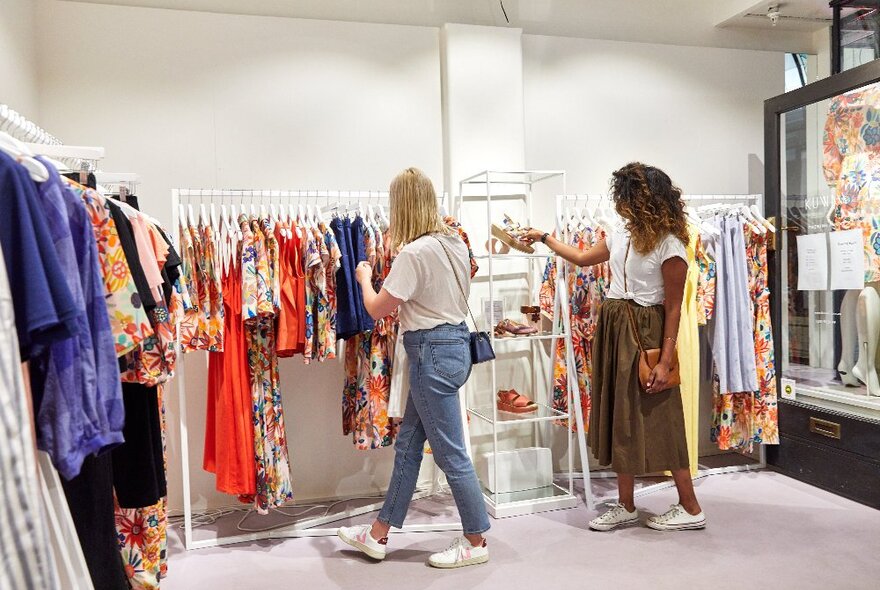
x: 869, y: 333
x: 848, y: 337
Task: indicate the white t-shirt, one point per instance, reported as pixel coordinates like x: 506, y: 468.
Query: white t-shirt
x: 422, y: 277
x: 644, y: 279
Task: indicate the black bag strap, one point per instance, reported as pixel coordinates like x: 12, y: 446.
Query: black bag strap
x: 457, y: 280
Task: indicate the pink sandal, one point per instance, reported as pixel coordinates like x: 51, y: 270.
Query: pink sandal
x: 514, y: 328
x: 511, y: 401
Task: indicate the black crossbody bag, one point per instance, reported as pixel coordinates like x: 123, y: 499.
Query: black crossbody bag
x: 481, y: 345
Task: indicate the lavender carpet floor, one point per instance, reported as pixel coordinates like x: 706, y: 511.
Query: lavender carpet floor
x: 765, y: 531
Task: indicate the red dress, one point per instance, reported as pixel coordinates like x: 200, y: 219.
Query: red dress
x: 287, y: 342
x: 229, y: 436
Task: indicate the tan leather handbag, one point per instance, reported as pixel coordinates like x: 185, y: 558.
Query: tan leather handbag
x: 648, y: 359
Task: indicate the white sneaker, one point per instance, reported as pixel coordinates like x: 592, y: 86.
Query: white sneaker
x: 618, y: 516
x: 460, y: 554
x: 360, y: 538
x: 677, y: 519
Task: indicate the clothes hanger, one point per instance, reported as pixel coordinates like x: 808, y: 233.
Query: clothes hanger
x: 749, y: 216
x: 21, y: 153
x: 761, y: 219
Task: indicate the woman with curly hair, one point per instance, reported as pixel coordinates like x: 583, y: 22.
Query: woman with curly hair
x: 639, y: 430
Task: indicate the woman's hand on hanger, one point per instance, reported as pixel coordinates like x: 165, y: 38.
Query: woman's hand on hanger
x: 363, y: 272
x: 595, y: 255
x: 378, y: 305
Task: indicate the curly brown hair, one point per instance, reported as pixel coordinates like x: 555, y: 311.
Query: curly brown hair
x: 650, y: 204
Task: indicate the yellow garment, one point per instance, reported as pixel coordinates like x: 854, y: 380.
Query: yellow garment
x: 688, y: 346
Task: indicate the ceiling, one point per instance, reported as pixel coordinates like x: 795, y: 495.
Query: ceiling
x: 711, y: 23
x: 803, y: 15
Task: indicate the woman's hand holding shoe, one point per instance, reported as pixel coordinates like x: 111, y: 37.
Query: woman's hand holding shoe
x: 532, y: 235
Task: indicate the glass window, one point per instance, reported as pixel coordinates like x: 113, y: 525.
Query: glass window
x: 857, y: 29
x: 831, y: 251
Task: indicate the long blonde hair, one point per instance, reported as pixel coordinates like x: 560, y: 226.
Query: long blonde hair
x: 414, y: 210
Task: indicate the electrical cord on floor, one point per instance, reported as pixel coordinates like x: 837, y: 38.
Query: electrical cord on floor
x: 209, y: 517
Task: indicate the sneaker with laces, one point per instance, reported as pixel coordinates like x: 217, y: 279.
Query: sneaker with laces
x: 360, y: 538
x: 460, y: 554
x: 677, y: 519
x: 617, y: 516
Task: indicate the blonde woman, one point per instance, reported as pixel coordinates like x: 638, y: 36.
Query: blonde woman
x: 429, y: 282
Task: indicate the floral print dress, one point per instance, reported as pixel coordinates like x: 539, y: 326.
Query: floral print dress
x: 368, y: 364
x: 128, y: 318
x: 273, y: 485
x: 851, y: 165
x: 741, y: 420
x: 586, y: 289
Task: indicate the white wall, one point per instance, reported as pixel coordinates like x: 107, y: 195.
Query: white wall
x: 592, y: 106
x: 204, y: 100
x: 18, y: 57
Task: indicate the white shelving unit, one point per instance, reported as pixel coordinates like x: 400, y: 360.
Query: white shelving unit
x: 509, y: 186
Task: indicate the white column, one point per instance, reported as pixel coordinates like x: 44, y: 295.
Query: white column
x: 483, y: 121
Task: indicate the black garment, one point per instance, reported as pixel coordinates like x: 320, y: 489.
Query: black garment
x: 346, y: 315
x: 171, y: 270
x: 139, y: 464
x: 129, y: 247
x: 90, y: 498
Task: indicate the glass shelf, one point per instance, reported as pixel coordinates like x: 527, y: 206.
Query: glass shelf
x: 545, y: 493
x: 542, y: 414
x: 538, y: 336
x: 512, y: 176
x: 513, y: 256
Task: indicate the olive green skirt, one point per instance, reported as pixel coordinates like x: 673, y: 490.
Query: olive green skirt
x: 632, y: 431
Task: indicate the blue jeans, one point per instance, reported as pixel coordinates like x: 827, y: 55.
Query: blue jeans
x: 439, y: 365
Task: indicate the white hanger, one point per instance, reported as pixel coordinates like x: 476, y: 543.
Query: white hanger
x: 181, y: 214
x: 16, y: 149
x: 761, y: 219
x: 191, y: 218
x: 203, y: 215
x: 234, y: 220
x: 753, y: 221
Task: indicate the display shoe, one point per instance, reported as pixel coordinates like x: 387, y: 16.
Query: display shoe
x: 360, y: 538
x: 511, y: 401
x: 497, y: 246
x: 510, y: 327
x: 460, y: 554
x: 511, y: 233
x: 677, y: 519
x: 617, y: 516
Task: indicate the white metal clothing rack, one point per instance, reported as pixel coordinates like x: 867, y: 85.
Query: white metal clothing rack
x: 554, y: 497
x: 309, y: 527
x: 572, y: 201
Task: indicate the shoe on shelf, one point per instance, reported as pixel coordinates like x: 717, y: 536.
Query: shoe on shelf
x: 511, y: 233
x: 460, y: 554
x: 360, y: 538
x: 516, y: 329
x: 511, y: 401
x: 677, y: 519
x: 617, y: 516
